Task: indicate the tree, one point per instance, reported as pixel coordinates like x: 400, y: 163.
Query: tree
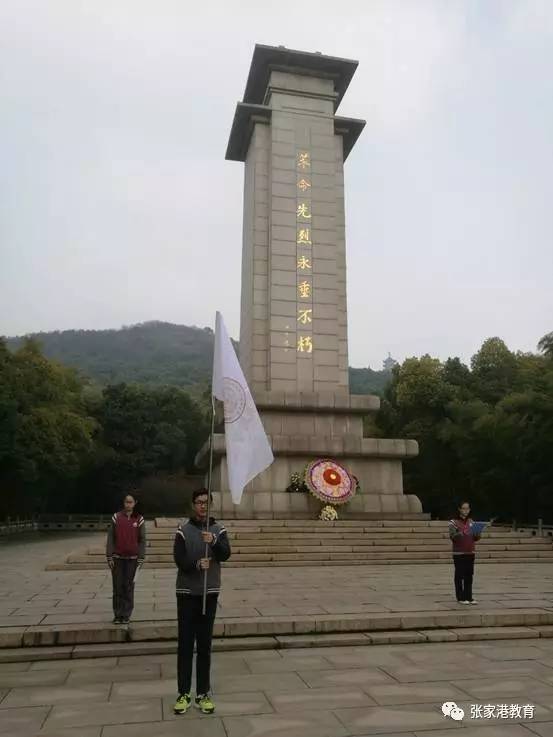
x: 46, y: 435
x: 546, y: 345
x: 148, y: 430
x: 484, y: 434
x: 494, y: 370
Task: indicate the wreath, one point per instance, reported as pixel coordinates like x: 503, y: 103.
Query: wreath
x: 327, y: 480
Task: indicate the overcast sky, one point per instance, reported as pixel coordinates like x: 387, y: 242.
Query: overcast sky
x: 117, y: 205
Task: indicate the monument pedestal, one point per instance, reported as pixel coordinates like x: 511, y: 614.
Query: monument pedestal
x: 302, y: 427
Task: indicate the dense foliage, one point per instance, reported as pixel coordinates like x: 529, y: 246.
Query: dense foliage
x: 368, y: 381
x: 67, y: 446
x: 485, y: 432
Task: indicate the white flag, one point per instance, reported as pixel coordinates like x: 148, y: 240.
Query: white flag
x: 248, y: 449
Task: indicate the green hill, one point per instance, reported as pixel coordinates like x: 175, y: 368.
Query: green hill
x: 154, y: 353
x: 367, y: 381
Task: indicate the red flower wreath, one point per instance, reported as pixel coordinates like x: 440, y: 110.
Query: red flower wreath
x: 329, y: 481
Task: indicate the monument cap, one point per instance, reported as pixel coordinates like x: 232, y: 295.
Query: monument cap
x: 268, y: 58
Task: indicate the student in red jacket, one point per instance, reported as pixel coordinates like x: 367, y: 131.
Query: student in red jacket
x: 125, y: 550
x: 463, y: 539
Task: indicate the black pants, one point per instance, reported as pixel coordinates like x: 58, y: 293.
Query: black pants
x: 195, y: 627
x: 123, y: 572
x: 464, y: 571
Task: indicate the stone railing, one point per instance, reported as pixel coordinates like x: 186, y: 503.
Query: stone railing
x: 11, y: 526
x: 46, y: 522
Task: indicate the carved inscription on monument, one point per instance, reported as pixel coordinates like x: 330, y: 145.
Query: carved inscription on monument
x: 304, y: 243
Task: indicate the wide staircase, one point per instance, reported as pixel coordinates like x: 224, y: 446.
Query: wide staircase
x: 344, y: 542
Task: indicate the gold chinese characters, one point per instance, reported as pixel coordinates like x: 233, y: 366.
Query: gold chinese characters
x: 304, y: 289
x: 305, y: 344
x: 304, y: 239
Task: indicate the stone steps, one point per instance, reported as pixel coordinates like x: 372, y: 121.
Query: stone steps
x: 77, y: 562
x: 379, y: 628
x: 343, y: 542
x: 276, y: 642
x: 364, y: 534
x: 162, y: 553
x: 310, y: 524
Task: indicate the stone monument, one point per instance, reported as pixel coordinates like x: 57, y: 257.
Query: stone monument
x: 293, y: 332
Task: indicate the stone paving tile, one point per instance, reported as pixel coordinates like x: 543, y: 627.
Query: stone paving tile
x: 514, y: 653
x: 13, y: 667
x: 71, y: 619
x: 390, y: 694
x: 459, y: 658
x: 450, y: 672
x: 251, y: 655
x: 33, y: 678
x: 320, y: 698
x: 74, y: 664
x: 544, y: 729
x: 306, y: 724
x: 369, y: 656
x: 548, y: 675
x: 23, y: 721
x: 34, y: 654
x: 299, y: 662
x: 382, y: 719
x: 487, y: 688
x: 210, y: 726
x: 83, y: 732
x: 49, y: 695
x: 61, y: 609
x: 23, y: 620
x: 353, y: 678
x: 103, y: 713
x: 138, y: 661
x: 118, y: 674
x: 490, y: 730
x: 157, y: 687
x: 483, y: 649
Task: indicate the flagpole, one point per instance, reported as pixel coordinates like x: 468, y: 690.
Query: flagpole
x: 209, y: 475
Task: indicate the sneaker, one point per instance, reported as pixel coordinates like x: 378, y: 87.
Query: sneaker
x: 205, y: 704
x: 124, y: 620
x: 117, y: 620
x: 473, y: 601
x: 464, y: 602
x: 182, y: 704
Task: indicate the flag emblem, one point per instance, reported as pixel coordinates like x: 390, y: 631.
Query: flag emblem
x: 234, y: 399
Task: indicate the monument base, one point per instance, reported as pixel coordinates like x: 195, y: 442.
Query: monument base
x: 301, y: 428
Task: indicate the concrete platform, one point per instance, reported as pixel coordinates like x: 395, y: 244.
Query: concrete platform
x: 72, y: 608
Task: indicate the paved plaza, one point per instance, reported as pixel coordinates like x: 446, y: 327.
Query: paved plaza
x: 331, y: 691
x: 31, y: 596
x: 318, y: 692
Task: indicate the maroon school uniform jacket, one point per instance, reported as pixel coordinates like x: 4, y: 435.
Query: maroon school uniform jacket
x: 126, y: 537
x: 461, y: 536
